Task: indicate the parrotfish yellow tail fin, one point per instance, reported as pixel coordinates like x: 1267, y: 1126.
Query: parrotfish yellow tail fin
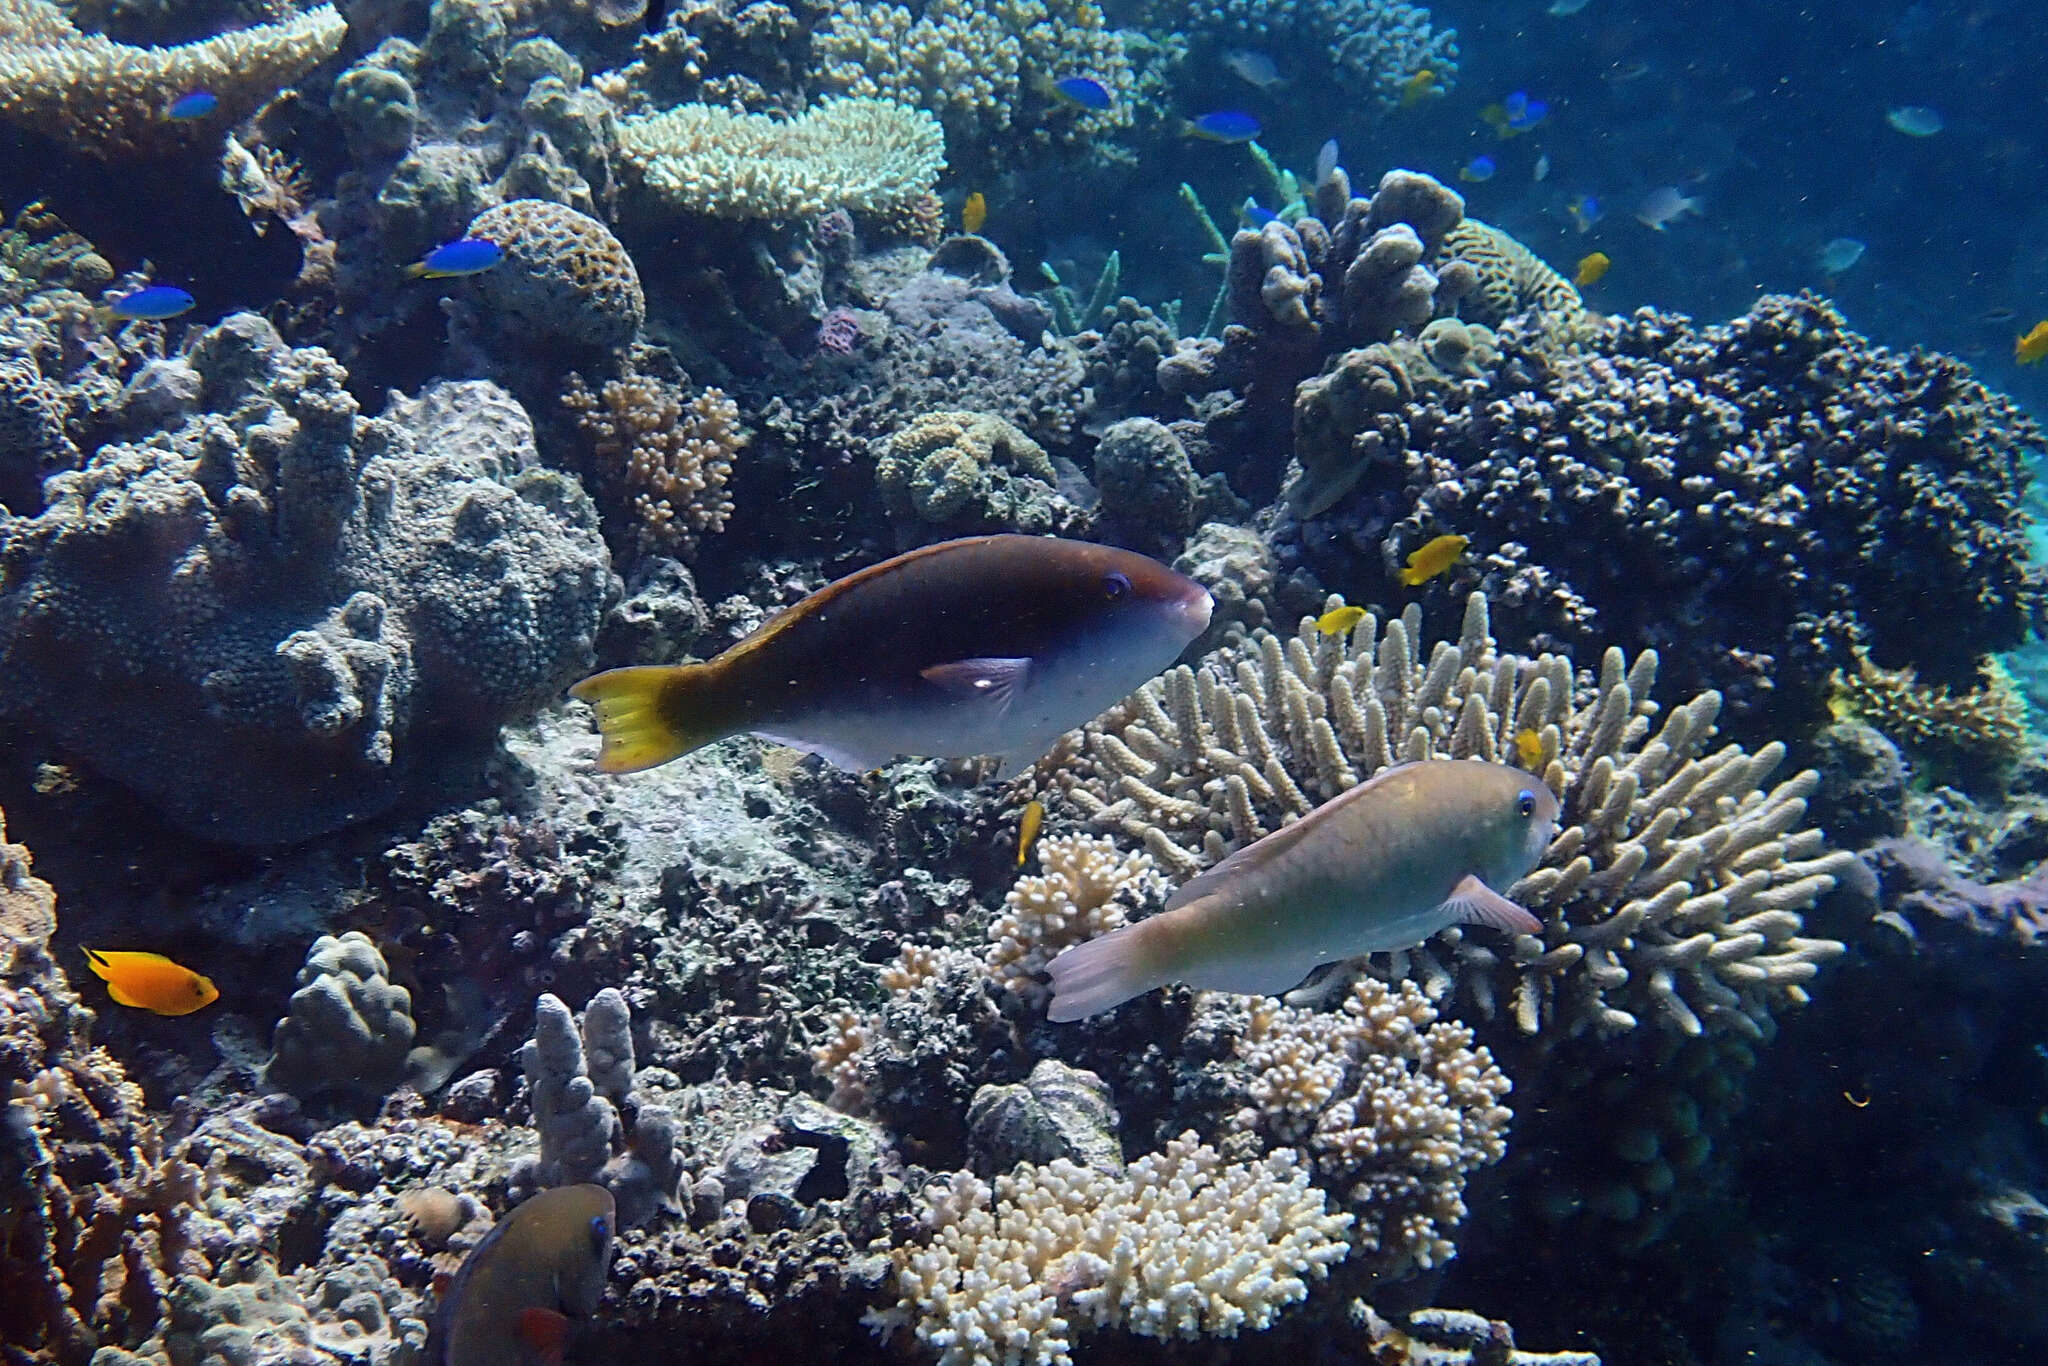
x: 649, y: 714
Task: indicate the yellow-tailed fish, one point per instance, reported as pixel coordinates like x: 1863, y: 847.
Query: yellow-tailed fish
x: 1433, y: 559
x: 1593, y: 266
x: 990, y: 645
x: 974, y: 212
x: 1027, y: 829
x: 150, y: 981
x: 516, y: 1297
x: 1417, y: 849
x: 1338, y: 620
x: 2032, y: 348
x: 1529, y: 749
x: 1418, y: 88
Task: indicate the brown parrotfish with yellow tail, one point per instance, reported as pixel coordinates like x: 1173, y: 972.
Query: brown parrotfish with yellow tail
x: 991, y: 645
x: 518, y: 1293
x: 1418, y: 848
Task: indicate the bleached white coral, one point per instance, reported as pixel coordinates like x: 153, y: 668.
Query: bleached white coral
x: 867, y: 155
x: 1393, y: 1107
x: 1088, y: 888
x: 109, y: 98
x: 1179, y: 1245
x: 1676, y: 891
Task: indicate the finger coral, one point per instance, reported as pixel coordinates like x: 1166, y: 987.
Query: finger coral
x: 662, y: 461
x: 1674, y: 893
x: 108, y: 99
x: 865, y: 155
x: 1182, y: 1245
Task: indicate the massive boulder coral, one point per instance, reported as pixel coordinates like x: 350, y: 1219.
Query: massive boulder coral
x: 1754, y: 500
x: 250, y: 618
x: 565, y: 280
x: 349, y: 1027
x: 107, y: 99
x: 967, y: 471
x: 1674, y: 895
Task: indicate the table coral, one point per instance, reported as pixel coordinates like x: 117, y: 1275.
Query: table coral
x: 866, y: 155
x: 1675, y: 892
x: 107, y: 99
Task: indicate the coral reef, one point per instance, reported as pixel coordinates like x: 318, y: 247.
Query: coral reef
x: 1181, y: 1245
x: 866, y: 155
x: 662, y: 463
x: 1372, y: 46
x: 1753, y: 500
x: 107, y: 99
x: 1975, y: 737
x: 348, y: 1027
x: 1674, y: 895
x: 967, y: 471
x: 245, y: 617
x: 985, y: 70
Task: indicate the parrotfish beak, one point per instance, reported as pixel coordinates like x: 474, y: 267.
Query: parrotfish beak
x: 1193, y: 608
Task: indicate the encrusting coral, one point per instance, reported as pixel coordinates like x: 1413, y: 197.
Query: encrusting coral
x: 108, y: 99
x: 1182, y: 1244
x: 867, y: 156
x: 662, y: 461
x: 1675, y: 893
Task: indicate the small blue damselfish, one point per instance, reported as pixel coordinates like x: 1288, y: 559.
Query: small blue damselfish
x: 1227, y: 125
x: 1085, y: 91
x: 463, y: 256
x: 192, y: 105
x: 152, y: 304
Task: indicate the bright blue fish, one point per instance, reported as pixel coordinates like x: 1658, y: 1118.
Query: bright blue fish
x: 154, y: 304
x: 1227, y: 125
x: 193, y: 104
x: 464, y: 256
x: 1524, y: 113
x: 1479, y: 168
x: 1085, y: 91
x: 1585, y: 212
x: 1253, y: 215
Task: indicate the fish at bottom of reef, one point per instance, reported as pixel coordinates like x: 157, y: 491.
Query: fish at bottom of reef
x: 989, y: 645
x: 519, y: 1292
x: 1415, y: 850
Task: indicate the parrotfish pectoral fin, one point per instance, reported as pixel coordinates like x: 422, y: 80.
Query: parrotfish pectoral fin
x: 546, y: 1331
x: 1474, y: 903
x: 998, y: 681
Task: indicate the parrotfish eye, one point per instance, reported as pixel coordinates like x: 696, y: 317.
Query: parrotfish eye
x: 1525, y: 804
x: 600, y: 1231
x: 1115, y: 584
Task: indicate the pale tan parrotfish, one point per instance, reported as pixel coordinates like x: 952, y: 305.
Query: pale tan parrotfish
x: 1412, y: 851
x: 990, y: 645
x: 518, y: 1293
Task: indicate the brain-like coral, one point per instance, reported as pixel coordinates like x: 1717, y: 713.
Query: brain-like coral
x: 244, y: 618
x: 951, y: 467
x: 564, y: 279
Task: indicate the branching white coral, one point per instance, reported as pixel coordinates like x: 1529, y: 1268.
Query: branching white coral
x: 1393, y: 1108
x: 1676, y: 891
x: 1088, y: 888
x: 1180, y: 1245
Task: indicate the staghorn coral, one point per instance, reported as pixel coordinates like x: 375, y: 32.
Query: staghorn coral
x: 662, y: 463
x: 982, y: 68
x: 107, y: 99
x: 1180, y: 1245
x: 1087, y: 887
x: 869, y: 156
x: 1392, y: 1108
x: 1976, y: 734
x: 1675, y: 894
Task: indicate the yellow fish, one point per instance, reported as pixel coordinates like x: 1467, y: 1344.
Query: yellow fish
x: 1529, y: 749
x: 1418, y: 88
x: 1338, y: 620
x: 150, y: 981
x: 974, y: 212
x: 1592, y: 266
x: 1027, y: 829
x: 1433, y: 559
x: 2032, y: 348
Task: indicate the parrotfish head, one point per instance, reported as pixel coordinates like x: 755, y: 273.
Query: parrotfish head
x: 1524, y: 814
x: 1104, y: 621
x: 1118, y: 593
